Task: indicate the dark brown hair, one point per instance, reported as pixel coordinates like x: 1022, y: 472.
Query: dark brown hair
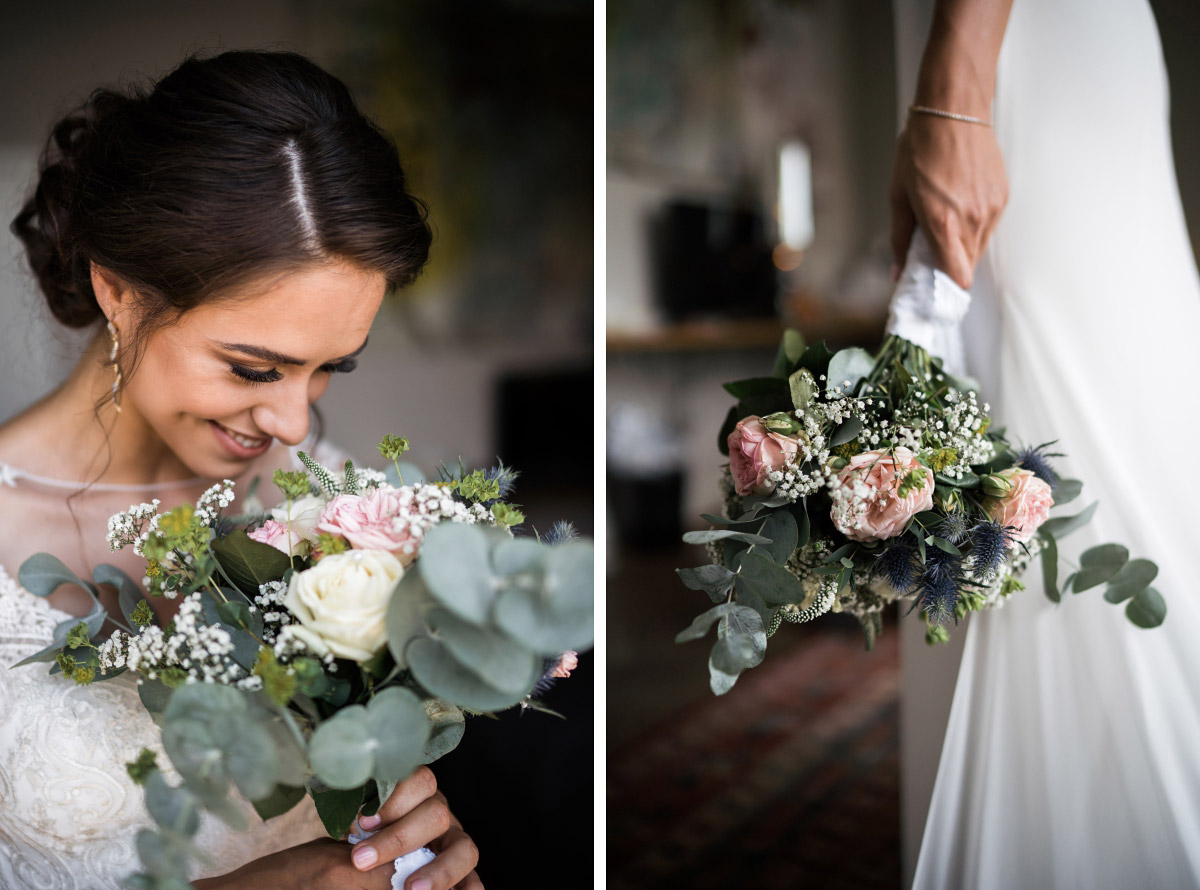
x: 227, y: 169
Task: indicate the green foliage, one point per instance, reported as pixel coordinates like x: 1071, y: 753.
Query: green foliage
x: 1062, y: 526
x: 78, y: 637
x: 476, y: 487
x: 279, y: 801
x: 384, y: 740
x: 279, y: 683
x: 848, y: 367
x: 249, y: 563
x: 1147, y: 608
x: 507, y: 516
x: 1050, y: 568
x: 143, y: 615
x: 293, y: 483
x: 391, y: 447
x: 329, y: 544
x: 935, y: 634
x: 142, y: 767
x: 1134, y: 576
x: 1099, y: 564
x: 337, y: 808
x: 350, y: 485
x: 715, y: 580
x: 324, y: 479
x: 448, y: 724
x: 741, y: 642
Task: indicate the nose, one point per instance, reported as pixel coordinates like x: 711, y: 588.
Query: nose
x: 284, y: 414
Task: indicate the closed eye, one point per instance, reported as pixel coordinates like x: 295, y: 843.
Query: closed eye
x: 345, y: 366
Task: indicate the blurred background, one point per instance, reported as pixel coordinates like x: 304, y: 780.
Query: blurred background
x: 749, y: 150
x: 490, y: 103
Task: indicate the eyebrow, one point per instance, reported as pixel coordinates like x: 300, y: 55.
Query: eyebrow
x: 270, y: 355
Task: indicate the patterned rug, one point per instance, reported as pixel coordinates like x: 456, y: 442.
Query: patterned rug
x: 790, y: 780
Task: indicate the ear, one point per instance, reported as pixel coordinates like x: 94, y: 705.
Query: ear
x: 113, y: 294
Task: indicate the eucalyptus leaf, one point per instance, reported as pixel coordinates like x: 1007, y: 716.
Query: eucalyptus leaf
x: 781, y: 528
x: 1062, y: 526
x: 519, y: 556
x: 171, y: 807
x: 129, y: 593
x: 42, y: 574
x: 771, y: 387
x: 1066, y: 490
x: 455, y: 564
x: 1147, y: 608
x: 448, y: 724
x: 721, y: 534
x: 1050, y: 568
x: 1135, y: 575
x: 968, y: 480
x: 236, y: 614
x: 495, y: 657
x: 1099, y: 564
x: 849, y: 366
x: 400, y: 730
x: 804, y: 528
x: 732, y: 523
x: 848, y: 431
x: 771, y: 581
x: 713, y: 579
x: 94, y: 622
x: 816, y: 358
x: 442, y: 674
x: 703, y: 623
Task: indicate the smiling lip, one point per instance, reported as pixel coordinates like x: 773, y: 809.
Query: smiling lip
x: 240, y: 446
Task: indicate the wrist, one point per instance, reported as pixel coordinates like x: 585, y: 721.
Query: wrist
x: 952, y: 81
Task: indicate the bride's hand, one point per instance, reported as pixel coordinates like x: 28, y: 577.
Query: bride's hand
x: 949, y: 179
x: 415, y: 815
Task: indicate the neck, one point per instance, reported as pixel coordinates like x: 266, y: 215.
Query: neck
x: 98, y: 445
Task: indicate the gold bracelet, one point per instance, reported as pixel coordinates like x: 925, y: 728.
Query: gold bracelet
x: 936, y: 112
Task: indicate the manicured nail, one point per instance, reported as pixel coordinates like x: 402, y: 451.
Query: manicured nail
x: 365, y: 856
x: 370, y: 823
x: 421, y: 884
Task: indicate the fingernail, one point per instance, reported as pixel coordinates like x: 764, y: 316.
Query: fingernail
x: 895, y: 272
x: 421, y: 884
x: 365, y: 856
x: 370, y: 823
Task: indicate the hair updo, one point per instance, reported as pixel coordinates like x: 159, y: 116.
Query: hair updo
x: 229, y: 168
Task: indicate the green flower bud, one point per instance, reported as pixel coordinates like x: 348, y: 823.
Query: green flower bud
x: 507, y: 516
x: 391, y: 447
x: 293, y: 484
x: 140, y: 769
x: 996, y: 486
x: 782, y: 422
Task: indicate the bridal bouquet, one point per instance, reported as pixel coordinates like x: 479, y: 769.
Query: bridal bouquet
x: 855, y: 481
x: 326, y: 648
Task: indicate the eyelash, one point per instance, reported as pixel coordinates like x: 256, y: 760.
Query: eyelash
x: 271, y: 376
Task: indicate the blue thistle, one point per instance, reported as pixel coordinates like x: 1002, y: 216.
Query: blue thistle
x: 938, y: 597
x: 989, y: 547
x: 505, y: 477
x: 1034, y: 460
x: 560, y: 533
x: 897, y: 564
x: 546, y: 682
x: 953, y: 527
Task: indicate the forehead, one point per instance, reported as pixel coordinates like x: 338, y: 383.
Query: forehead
x: 315, y: 312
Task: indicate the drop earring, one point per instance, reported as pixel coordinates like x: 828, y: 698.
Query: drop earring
x: 112, y: 357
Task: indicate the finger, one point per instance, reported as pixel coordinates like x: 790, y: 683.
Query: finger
x: 454, y: 866
x: 405, y: 797
x: 428, y: 821
x: 949, y: 253
x: 903, y: 225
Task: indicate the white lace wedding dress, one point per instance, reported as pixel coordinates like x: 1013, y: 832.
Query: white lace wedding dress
x: 69, y: 813
x: 1072, y: 754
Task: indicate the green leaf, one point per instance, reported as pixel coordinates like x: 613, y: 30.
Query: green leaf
x: 439, y: 672
x: 1099, y: 564
x: 741, y: 644
x: 714, y: 580
x: 42, y: 574
x: 731, y: 523
x: 846, y: 432
x: 781, y: 528
x: 721, y: 534
x: 1062, y: 526
x: 172, y: 808
x: 384, y: 740
x: 94, y: 621
x: 456, y: 567
x: 804, y: 528
x: 1066, y: 491
x: 968, y: 480
x: 279, y: 801
x: 771, y: 581
x: 771, y: 387
x: 497, y: 659
x: 943, y: 544
x: 849, y: 365
x: 793, y: 344
x: 448, y: 725
x: 129, y: 594
x: 1147, y: 608
x: 1050, y: 568
x: 703, y: 623
x: 1135, y: 575
x: 802, y: 388
x: 235, y: 613
x: 249, y: 563
x: 338, y: 808
x: 816, y: 358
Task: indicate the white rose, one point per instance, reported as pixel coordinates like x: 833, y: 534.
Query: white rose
x: 343, y: 599
x: 302, y: 518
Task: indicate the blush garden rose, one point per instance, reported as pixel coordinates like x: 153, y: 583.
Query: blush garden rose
x: 878, y: 492
x: 755, y: 452
x: 1026, y: 505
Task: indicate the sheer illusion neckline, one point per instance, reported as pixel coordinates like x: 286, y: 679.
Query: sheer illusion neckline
x: 9, y: 475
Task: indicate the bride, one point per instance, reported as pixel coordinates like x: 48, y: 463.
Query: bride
x: 229, y: 234
x: 1071, y: 758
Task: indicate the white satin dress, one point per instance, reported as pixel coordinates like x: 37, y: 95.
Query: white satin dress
x: 1072, y: 754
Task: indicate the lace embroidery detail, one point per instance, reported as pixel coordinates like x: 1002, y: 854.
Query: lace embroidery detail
x: 69, y: 814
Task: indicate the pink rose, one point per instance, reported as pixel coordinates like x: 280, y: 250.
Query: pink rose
x: 754, y: 452
x: 1025, y: 507
x: 867, y: 505
x: 276, y: 534
x: 567, y: 662
x: 373, y: 521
